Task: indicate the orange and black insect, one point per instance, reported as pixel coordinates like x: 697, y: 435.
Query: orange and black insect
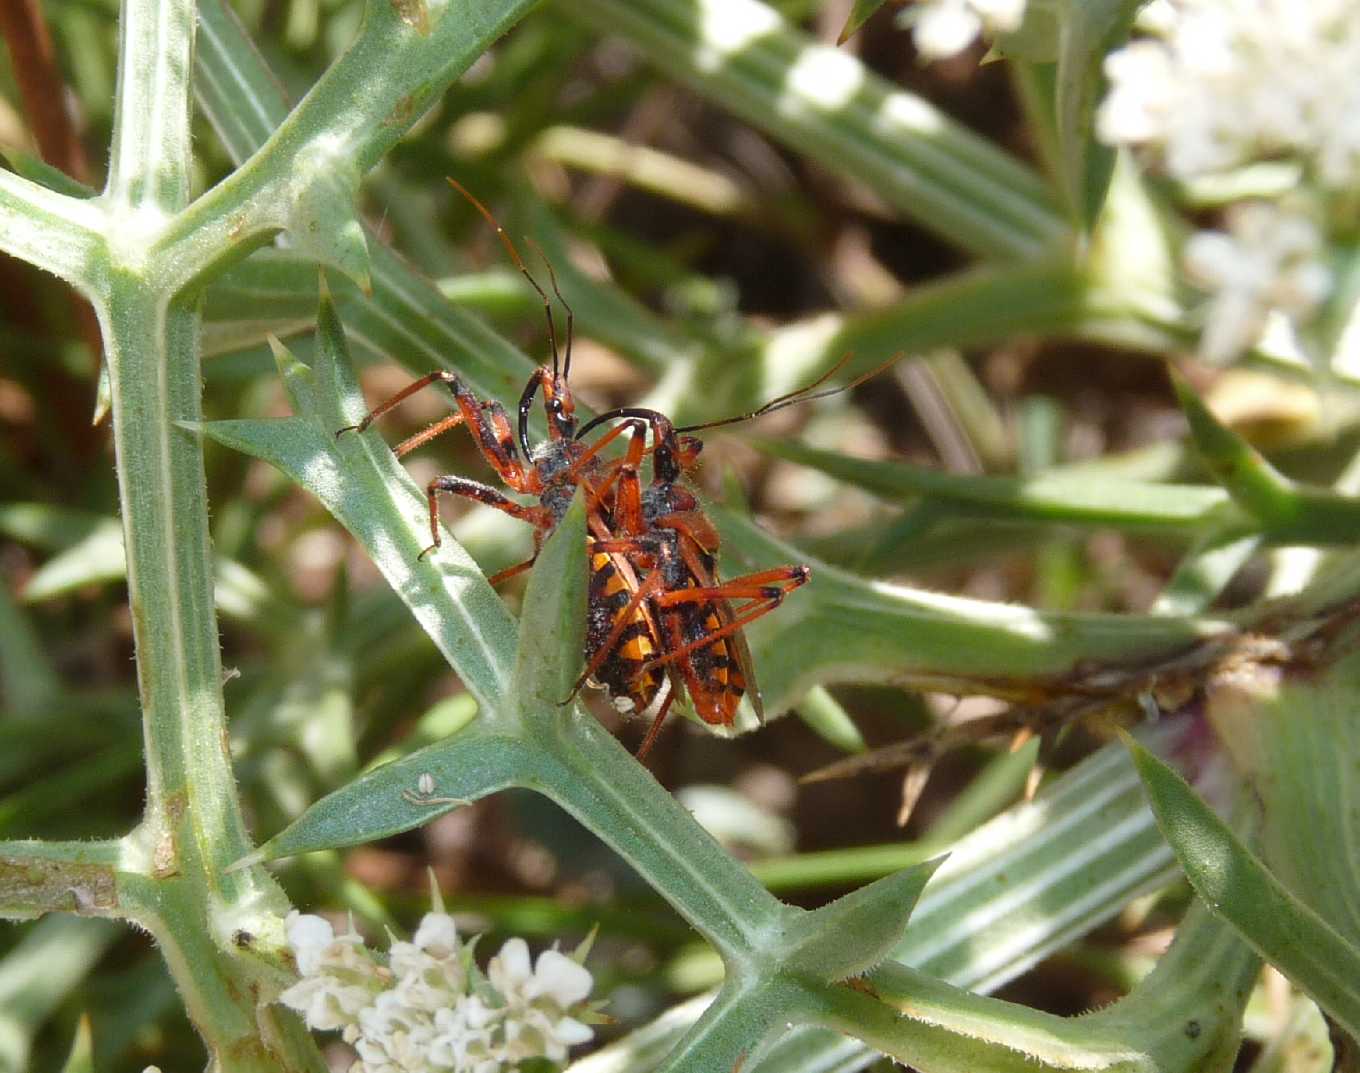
x: 659, y: 622
x: 551, y: 471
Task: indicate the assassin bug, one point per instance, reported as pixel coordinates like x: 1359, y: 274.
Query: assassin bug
x: 657, y: 612
x: 674, y: 547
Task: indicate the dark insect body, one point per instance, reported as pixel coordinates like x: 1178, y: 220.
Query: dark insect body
x: 660, y: 623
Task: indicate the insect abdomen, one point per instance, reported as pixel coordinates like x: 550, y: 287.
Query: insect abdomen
x: 609, y: 597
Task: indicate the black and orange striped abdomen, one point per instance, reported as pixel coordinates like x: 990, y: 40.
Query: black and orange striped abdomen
x: 610, y: 592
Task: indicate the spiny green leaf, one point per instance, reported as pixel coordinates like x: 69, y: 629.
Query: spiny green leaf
x: 1238, y: 886
x: 931, y: 1025
x: 857, y: 931
x: 323, y: 219
x: 359, y: 480
x: 406, y: 793
x: 297, y: 378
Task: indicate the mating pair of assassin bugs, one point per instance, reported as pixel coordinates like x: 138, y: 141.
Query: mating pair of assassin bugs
x: 657, y: 616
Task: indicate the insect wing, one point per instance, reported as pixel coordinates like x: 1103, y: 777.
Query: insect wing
x: 706, y: 576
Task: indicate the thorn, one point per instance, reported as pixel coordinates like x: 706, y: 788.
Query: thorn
x: 1036, y: 774
x: 248, y: 861
x: 913, y: 782
x: 436, y: 895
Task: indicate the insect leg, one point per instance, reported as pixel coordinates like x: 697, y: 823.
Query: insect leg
x: 461, y: 486
x: 488, y: 421
x: 672, y: 691
x: 765, y: 599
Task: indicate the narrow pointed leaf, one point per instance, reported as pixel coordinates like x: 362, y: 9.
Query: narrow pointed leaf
x: 552, y: 628
x: 859, y: 15
x: 1069, y: 499
x: 406, y: 793
x: 1238, y: 466
x: 857, y: 931
x: 94, y: 560
x: 1090, y: 29
x: 359, y: 481
x: 1237, y: 885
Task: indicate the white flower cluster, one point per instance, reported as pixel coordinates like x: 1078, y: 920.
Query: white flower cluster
x: 1227, y: 82
x: 1222, y: 84
x: 1268, y: 259
x: 428, y: 1009
x: 943, y: 28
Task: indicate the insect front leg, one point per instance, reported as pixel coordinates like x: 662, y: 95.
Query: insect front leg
x: 488, y: 421
x: 538, y: 517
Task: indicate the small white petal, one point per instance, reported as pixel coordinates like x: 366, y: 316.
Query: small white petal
x: 561, y: 978
x: 509, y: 970
x: 571, y: 1031
x: 308, y: 936
x: 437, y: 935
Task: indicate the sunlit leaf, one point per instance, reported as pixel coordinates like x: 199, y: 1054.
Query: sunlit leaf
x: 1238, y: 886
x: 552, y: 630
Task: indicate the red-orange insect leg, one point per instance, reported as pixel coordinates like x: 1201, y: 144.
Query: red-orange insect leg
x: 655, y: 729
x: 765, y: 602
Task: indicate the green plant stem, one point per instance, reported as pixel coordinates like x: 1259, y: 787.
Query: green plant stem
x: 152, y: 363
x: 56, y: 233
x: 193, y: 826
x: 306, y: 176
x: 151, y: 153
x: 598, y: 783
x: 37, y: 876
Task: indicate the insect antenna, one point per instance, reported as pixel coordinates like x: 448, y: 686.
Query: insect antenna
x: 571, y: 317
x: 523, y: 269
x: 806, y: 393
